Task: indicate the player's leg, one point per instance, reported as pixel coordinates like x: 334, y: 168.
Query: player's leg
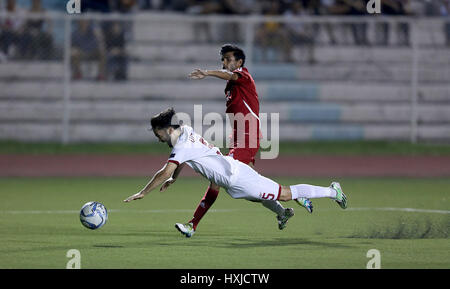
x: 247, y: 156
x: 282, y: 214
x: 188, y: 229
x: 253, y: 186
x: 207, y: 201
x: 296, y: 192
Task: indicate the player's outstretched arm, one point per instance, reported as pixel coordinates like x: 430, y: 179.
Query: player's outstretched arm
x: 172, y: 179
x: 222, y: 74
x: 160, y: 177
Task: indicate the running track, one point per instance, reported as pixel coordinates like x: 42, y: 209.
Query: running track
x: 294, y: 166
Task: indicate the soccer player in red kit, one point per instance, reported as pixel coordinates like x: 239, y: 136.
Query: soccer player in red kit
x: 241, y: 98
x: 241, y: 101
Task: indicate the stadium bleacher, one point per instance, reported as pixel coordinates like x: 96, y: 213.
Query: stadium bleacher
x: 351, y: 92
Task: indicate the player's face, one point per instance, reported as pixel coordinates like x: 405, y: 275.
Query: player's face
x: 229, y: 62
x: 162, y: 135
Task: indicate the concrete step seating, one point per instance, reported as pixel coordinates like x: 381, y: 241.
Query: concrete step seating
x: 175, y: 29
x: 353, y: 92
x: 329, y: 54
x: 137, y: 132
x: 302, y: 113
x: 346, y: 71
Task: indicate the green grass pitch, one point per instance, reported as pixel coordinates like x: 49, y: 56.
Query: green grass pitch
x: 39, y: 223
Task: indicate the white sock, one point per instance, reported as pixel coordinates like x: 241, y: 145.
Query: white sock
x: 311, y: 192
x: 274, y: 206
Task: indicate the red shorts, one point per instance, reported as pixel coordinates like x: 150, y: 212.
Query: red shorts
x: 245, y: 155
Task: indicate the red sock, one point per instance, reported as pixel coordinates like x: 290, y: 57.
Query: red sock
x: 208, y: 199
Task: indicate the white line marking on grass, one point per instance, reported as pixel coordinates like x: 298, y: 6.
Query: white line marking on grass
x: 35, y: 212
x: 401, y: 210
x: 41, y: 212
x: 170, y: 211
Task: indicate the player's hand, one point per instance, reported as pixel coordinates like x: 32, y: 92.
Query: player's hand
x: 167, y: 184
x: 198, y: 74
x: 136, y: 196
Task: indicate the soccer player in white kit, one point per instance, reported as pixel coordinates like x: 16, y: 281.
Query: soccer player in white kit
x: 238, y: 179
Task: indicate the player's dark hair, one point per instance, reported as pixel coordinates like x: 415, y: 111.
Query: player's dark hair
x: 164, y: 119
x: 237, y: 52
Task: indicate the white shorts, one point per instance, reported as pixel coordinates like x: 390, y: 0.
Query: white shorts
x: 248, y: 184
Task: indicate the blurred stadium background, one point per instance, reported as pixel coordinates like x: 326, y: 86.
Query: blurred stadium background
x: 332, y: 70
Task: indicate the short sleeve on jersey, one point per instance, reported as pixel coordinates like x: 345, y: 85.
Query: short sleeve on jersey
x: 243, y: 77
x: 177, y: 156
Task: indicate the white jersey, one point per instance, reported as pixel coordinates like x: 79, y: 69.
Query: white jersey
x: 204, y: 158
x: 238, y: 179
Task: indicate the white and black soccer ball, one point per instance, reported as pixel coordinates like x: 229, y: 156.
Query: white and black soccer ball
x: 93, y: 215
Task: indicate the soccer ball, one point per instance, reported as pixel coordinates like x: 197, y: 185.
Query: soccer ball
x: 93, y: 215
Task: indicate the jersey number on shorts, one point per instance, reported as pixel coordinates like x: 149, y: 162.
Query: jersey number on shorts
x: 267, y: 196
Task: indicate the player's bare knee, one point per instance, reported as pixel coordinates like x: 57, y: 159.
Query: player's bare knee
x: 214, y: 186
x: 285, y: 194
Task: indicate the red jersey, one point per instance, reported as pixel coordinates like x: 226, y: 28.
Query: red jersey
x: 242, y: 98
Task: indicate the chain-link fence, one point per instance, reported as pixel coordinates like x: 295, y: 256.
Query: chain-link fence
x: 99, y: 77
